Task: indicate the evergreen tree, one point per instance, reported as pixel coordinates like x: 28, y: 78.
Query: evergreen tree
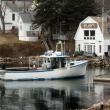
x: 50, y: 13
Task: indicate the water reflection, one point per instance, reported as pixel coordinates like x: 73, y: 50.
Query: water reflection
x: 71, y: 94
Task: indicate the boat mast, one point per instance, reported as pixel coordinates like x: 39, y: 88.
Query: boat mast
x: 29, y: 63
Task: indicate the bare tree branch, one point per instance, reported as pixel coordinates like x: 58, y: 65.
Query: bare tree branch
x: 2, y: 14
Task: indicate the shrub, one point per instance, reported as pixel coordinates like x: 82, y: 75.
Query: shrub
x: 77, y: 53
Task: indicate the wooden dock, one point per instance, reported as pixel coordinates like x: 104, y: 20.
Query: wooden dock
x: 102, y: 78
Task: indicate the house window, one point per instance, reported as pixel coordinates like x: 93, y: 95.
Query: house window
x: 31, y: 34
x: 86, y: 32
x: 93, y: 48
x: 100, y: 49
x: 13, y: 17
x: 87, y: 37
x: 84, y: 37
x: 108, y: 47
x: 79, y: 47
x: 20, y: 27
x: 31, y: 28
x: 84, y: 48
x: 108, y: 29
x: 93, y: 38
x: 92, y: 33
x: 90, y: 38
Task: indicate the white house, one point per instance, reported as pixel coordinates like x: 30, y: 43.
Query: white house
x: 25, y: 28
x: 93, y: 36
x: 12, y: 9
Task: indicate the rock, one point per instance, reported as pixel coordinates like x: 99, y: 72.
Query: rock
x: 92, y: 108
x: 98, y: 106
x: 108, y: 103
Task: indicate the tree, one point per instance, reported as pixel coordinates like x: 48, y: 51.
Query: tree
x: 2, y: 15
x: 50, y: 13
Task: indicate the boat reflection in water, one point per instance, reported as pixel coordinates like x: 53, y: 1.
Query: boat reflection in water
x: 41, y: 95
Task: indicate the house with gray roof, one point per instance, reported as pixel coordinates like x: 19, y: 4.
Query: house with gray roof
x: 93, y: 36
x: 25, y: 28
x: 12, y: 10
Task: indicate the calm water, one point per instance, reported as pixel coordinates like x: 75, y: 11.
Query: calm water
x: 73, y: 94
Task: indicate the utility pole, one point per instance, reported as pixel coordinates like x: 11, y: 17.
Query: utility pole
x: 24, y: 6
x: 103, y: 3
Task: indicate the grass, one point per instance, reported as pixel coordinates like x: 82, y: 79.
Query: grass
x: 9, y: 39
x: 10, y: 46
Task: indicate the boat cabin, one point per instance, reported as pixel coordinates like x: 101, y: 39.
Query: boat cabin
x: 57, y: 59
x: 55, y: 62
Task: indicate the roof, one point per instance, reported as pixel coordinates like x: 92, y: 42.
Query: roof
x: 99, y: 20
x: 18, y: 5
x: 26, y: 17
x: 105, y: 21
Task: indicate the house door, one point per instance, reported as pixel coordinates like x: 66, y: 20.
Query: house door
x: 89, y: 48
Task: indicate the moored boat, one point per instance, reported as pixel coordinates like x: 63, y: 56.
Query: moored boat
x: 56, y: 65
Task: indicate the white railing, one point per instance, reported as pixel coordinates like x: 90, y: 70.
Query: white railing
x: 32, y: 33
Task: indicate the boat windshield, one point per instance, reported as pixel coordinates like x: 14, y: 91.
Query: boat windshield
x: 54, y: 63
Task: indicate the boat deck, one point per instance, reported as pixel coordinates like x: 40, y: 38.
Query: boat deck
x: 17, y: 69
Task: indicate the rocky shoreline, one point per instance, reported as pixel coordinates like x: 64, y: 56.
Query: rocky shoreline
x: 93, y: 61
x: 100, y: 106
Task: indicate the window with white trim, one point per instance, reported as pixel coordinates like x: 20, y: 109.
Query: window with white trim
x: 13, y: 17
x: 100, y: 48
x: 92, y: 32
x: 108, y: 47
x: 89, y: 34
x: 86, y: 32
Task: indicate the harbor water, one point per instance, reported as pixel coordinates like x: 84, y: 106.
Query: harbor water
x: 66, y: 94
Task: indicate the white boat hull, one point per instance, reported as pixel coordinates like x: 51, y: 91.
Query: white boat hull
x: 74, y: 71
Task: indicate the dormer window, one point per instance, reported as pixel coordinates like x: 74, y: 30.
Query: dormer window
x: 89, y: 34
x: 13, y: 17
x: 92, y: 32
x: 86, y: 32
